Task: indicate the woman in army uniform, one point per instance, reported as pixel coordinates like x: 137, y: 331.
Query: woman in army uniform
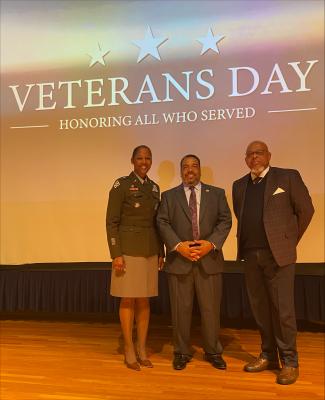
x: 136, y: 251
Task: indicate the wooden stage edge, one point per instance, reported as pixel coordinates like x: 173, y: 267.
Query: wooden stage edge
x: 156, y: 319
x: 83, y: 360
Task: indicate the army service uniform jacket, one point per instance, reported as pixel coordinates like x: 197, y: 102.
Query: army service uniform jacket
x: 131, y: 218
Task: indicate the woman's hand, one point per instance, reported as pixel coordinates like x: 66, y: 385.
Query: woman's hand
x: 160, y: 263
x: 119, y: 264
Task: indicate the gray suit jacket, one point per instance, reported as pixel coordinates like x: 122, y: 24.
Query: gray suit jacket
x: 174, y: 225
x: 286, y: 214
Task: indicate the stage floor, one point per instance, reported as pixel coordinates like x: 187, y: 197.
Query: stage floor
x: 84, y: 361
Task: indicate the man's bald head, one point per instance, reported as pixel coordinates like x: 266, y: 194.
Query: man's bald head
x: 257, y: 156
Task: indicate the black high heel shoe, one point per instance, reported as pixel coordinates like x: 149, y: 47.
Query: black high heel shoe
x: 135, y: 365
x: 145, y: 363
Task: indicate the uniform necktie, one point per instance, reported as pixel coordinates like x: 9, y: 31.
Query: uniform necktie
x: 193, y: 210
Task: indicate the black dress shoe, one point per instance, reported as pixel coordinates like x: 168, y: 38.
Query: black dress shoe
x: 180, y: 361
x: 261, y: 364
x: 215, y: 360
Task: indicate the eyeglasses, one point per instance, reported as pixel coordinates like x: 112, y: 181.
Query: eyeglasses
x: 257, y: 152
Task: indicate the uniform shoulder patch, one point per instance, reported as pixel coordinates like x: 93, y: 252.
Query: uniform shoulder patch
x: 119, y: 181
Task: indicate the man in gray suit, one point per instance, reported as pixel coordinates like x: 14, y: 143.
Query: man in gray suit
x: 194, y: 221
x: 273, y: 208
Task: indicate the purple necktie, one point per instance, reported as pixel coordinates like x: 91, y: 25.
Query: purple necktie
x: 193, y: 210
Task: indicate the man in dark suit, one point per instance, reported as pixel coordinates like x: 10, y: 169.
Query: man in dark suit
x: 273, y: 208
x: 194, y: 220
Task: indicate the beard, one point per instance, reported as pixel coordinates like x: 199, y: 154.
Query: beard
x: 257, y: 170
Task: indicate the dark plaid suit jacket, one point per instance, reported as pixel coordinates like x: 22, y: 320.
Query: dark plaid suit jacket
x: 288, y: 210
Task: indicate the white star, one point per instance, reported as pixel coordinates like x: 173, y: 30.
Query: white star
x: 149, y: 45
x: 210, y: 42
x: 97, y: 56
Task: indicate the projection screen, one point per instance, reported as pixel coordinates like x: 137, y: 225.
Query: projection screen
x: 84, y: 82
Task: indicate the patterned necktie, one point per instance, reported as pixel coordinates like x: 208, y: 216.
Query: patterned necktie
x: 193, y: 210
x: 257, y: 180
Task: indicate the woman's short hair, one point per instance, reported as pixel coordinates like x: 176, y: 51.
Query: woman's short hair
x: 138, y: 148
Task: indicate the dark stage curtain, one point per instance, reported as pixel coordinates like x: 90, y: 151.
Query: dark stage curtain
x: 84, y: 288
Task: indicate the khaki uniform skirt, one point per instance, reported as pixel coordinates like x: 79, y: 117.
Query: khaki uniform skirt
x: 139, y: 280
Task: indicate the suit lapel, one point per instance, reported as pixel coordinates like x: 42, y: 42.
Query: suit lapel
x: 242, y: 193
x: 270, y: 186
x: 204, y: 200
x: 181, y: 198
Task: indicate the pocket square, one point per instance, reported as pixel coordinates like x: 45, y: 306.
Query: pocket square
x: 279, y: 190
